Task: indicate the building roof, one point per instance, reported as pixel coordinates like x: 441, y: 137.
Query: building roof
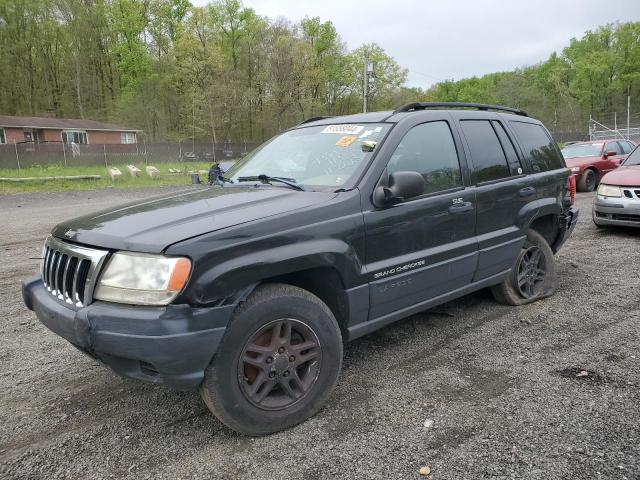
x: 60, y: 123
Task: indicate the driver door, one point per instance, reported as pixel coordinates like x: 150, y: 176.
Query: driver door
x: 613, y: 161
x: 423, y: 247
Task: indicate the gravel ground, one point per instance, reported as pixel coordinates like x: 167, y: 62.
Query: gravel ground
x: 499, y: 384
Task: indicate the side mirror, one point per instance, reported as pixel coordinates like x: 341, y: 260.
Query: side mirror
x: 402, y: 185
x: 610, y: 153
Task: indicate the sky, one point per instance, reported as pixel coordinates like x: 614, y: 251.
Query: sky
x: 454, y: 39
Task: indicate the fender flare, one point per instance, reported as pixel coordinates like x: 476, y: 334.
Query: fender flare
x: 236, y: 277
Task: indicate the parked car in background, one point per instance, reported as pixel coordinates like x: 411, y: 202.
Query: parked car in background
x: 590, y: 161
x: 618, y: 199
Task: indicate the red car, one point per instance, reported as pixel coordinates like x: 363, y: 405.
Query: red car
x: 618, y: 198
x: 590, y: 161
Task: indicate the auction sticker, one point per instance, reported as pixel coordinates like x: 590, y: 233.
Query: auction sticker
x: 346, y: 140
x: 343, y: 129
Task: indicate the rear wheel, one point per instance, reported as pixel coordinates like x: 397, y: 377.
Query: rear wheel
x: 533, y: 275
x: 278, y: 362
x: 588, y: 181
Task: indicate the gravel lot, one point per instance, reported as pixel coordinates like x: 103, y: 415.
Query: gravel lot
x: 500, y: 384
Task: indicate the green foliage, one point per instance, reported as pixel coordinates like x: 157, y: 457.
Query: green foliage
x: 219, y: 72
x: 223, y: 72
x: 592, y: 76
x: 126, y: 181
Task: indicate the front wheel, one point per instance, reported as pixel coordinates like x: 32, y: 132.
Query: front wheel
x: 588, y: 181
x: 278, y: 362
x: 533, y: 275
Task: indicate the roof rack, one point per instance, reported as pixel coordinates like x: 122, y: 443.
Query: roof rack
x: 313, y: 119
x: 479, y: 106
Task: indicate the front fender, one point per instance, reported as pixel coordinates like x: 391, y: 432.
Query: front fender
x: 217, y: 280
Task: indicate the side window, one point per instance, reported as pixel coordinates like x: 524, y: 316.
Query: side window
x: 429, y: 149
x: 489, y: 161
x: 538, y: 147
x: 613, y: 147
x: 626, y: 146
x: 509, y: 149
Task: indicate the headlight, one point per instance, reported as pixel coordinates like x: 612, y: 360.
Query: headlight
x: 609, y: 191
x: 575, y: 169
x: 143, y: 279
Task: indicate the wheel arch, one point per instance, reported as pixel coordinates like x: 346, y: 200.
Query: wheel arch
x: 325, y: 283
x: 548, y: 226
x: 328, y: 268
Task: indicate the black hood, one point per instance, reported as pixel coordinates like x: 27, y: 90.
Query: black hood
x: 153, y: 225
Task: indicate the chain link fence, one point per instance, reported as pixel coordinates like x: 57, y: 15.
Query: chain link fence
x: 564, y: 137
x: 29, y: 154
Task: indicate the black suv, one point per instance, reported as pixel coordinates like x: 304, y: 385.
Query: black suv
x: 327, y: 232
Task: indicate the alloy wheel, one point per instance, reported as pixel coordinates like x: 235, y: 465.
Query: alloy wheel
x: 279, y: 364
x: 531, y: 272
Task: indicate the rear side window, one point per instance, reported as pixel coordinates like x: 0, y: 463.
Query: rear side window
x: 509, y: 150
x: 538, y: 146
x: 626, y: 147
x: 488, y: 158
x: 429, y: 149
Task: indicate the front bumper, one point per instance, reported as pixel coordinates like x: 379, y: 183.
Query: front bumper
x: 568, y: 222
x: 171, y: 345
x: 623, y: 212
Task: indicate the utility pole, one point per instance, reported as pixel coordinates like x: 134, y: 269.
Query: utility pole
x: 193, y: 117
x: 628, y: 116
x: 367, y: 71
x: 365, y: 81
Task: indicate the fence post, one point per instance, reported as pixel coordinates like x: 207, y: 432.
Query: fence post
x: 64, y: 154
x: 104, y: 150
x: 15, y: 144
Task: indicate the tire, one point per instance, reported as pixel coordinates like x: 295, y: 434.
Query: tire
x: 510, y: 293
x: 282, y: 344
x: 588, y: 181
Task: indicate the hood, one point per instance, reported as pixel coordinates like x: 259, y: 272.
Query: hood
x: 623, y: 176
x: 152, y: 225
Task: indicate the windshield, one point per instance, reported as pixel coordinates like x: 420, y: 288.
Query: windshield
x: 633, y: 158
x: 582, y: 150
x: 325, y: 156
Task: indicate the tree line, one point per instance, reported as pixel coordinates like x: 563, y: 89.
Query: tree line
x: 591, y: 77
x: 223, y: 72
x: 178, y: 71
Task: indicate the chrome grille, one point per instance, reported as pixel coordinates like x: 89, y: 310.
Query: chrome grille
x: 69, y: 271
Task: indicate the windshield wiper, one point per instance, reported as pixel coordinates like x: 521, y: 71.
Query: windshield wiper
x: 267, y: 179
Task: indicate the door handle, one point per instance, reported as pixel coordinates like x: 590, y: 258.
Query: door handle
x: 526, y: 192
x: 460, y: 208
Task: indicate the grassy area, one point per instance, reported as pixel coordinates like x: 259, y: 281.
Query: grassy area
x: 126, y: 181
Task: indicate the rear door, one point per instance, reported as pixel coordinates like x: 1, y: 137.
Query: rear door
x: 503, y: 188
x: 425, y: 246
x: 543, y: 158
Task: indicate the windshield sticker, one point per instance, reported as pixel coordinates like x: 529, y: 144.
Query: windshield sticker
x: 346, y: 141
x: 366, y: 133
x: 377, y: 130
x: 343, y: 129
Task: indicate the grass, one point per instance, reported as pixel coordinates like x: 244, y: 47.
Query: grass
x: 126, y: 181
